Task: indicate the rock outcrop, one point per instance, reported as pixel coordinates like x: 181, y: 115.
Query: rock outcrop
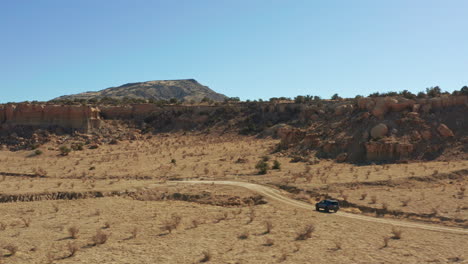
x: 380, y: 106
x: 388, y: 151
x: 444, y: 131
x: 70, y: 117
x: 379, y: 131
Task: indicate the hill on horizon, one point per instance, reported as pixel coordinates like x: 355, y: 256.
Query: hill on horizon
x: 182, y: 90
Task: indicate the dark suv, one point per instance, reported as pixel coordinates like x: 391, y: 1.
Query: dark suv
x: 327, y: 205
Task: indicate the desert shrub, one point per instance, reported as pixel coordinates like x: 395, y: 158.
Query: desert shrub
x: 306, y: 232
x: 386, y: 239
x: 173, y: 161
x: 251, y: 216
x: 269, y: 242
x: 77, y: 146
x: 107, y: 225
x: 464, y: 90
x: 64, y: 150
x: 433, y: 91
x: 26, y: 221
x: 266, y: 158
x: 276, y: 165
x: 373, y: 199
x: 206, y: 256
x: 73, y: 232
x: 268, y: 227
x: 283, y: 257
x: 172, y: 223
x: 40, y: 172
x: 338, y: 244
x: 72, y: 249
x: 134, y: 232
x: 363, y: 196
x: 407, y: 94
x: 100, y: 238
x: 38, y: 152
x: 396, y: 232
x: 12, y: 249
x: 385, y: 206
x: 243, y: 235
x: 336, y: 97
x: 262, y: 167
x: 405, y: 202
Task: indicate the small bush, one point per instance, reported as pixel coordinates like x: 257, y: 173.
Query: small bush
x: 262, y: 167
x: 269, y: 242
x: 243, y: 235
x: 134, y: 233
x: 306, y: 232
x: 385, y: 241
x: 276, y: 165
x: 100, y: 238
x: 12, y: 249
x: 396, y: 233
x: 363, y: 196
x: 64, y: 150
x: 77, y: 146
x: 206, y: 256
x: 73, y: 232
x: 72, y: 249
x: 26, y: 221
x: 268, y: 227
x: 338, y: 244
x: 38, y: 152
x: 172, y: 223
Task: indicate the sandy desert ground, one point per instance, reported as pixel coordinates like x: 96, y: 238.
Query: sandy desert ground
x: 124, y: 203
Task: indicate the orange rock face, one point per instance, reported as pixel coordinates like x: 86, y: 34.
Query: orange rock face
x: 444, y: 131
x: 388, y: 151
x: 82, y: 118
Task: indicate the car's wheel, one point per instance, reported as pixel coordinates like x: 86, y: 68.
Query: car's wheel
x: 327, y: 210
x: 317, y: 208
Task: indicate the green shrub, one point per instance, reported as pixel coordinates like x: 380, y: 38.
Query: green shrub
x: 64, y: 150
x: 276, y: 165
x: 77, y: 146
x: 37, y: 152
x: 262, y: 167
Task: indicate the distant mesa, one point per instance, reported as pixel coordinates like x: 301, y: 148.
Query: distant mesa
x: 182, y: 90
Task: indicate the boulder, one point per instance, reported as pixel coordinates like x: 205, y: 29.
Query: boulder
x: 415, y: 136
x: 444, y: 131
x: 342, y: 157
x: 379, y: 131
x: 426, y: 134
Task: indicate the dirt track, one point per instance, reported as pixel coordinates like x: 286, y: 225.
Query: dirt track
x: 276, y: 195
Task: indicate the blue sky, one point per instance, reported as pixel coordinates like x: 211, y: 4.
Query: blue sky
x: 247, y: 48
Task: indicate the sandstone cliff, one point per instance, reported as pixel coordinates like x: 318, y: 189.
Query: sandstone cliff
x: 69, y: 117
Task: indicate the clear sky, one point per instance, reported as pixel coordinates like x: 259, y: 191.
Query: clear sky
x: 247, y: 48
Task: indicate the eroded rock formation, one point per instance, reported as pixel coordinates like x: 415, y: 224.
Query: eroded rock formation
x: 70, y: 117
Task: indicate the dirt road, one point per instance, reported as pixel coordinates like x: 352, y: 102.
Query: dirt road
x: 274, y: 194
